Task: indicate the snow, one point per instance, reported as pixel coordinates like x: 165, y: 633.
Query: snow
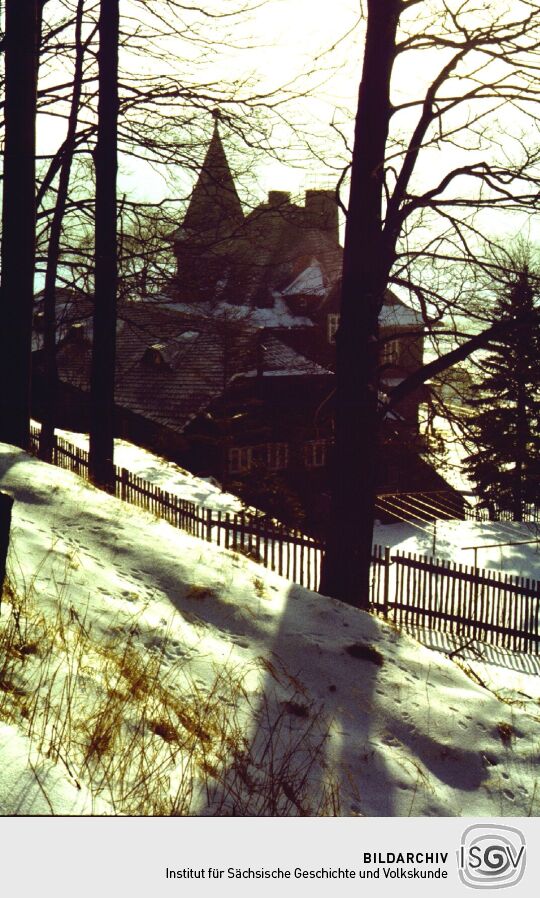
x: 310, y: 282
x: 402, y: 729
x: 276, y: 316
x: 455, y: 453
x: 34, y: 786
x: 205, y: 492
x: 502, y: 546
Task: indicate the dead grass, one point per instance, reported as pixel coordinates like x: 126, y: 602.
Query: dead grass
x: 506, y: 733
x: 141, y: 733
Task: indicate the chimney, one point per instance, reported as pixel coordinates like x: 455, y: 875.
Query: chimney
x: 322, y: 211
x: 279, y: 198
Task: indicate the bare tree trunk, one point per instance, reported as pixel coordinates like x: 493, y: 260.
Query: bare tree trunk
x: 18, y: 219
x: 104, y: 342
x: 6, y: 504
x: 366, y: 268
x: 50, y: 373
x: 522, y: 435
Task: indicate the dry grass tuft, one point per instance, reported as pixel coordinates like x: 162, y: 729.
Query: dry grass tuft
x: 506, y: 733
x: 138, y: 731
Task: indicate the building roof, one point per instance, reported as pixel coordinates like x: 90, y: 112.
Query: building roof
x: 281, y: 264
x: 170, y: 368
x: 214, y: 208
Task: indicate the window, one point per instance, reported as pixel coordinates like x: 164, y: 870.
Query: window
x: 240, y: 459
x: 153, y: 355
x: 315, y: 454
x: 277, y: 456
x: 332, y: 326
x: 390, y: 352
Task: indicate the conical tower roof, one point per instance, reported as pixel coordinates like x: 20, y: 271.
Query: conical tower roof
x: 214, y: 208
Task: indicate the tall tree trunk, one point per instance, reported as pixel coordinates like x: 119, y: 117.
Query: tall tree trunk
x: 6, y: 505
x: 522, y: 438
x: 50, y: 372
x: 18, y: 219
x: 104, y: 340
x: 366, y: 267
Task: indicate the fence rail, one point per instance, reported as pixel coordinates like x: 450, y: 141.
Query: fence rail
x: 530, y: 514
x: 412, y: 590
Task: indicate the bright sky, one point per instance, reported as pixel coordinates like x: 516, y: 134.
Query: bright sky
x: 287, y: 43
x: 282, y: 43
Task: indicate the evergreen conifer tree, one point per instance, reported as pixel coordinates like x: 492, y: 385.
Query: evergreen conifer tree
x: 506, y: 463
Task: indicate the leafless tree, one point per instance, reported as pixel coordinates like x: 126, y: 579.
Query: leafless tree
x: 411, y: 212
x: 18, y: 218
x: 101, y: 456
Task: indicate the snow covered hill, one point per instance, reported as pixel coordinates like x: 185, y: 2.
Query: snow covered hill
x: 503, y: 546
x: 144, y: 671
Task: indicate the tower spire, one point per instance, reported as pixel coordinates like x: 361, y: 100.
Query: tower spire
x: 214, y: 208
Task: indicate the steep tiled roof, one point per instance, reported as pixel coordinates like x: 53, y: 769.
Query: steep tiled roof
x: 214, y: 205
x: 282, y: 244
x: 169, y: 367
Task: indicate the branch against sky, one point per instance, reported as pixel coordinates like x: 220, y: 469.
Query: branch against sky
x: 175, y: 69
x: 437, y: 150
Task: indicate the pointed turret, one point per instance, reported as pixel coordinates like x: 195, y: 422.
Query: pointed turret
x: 205, y: 245
x: 214, y: 208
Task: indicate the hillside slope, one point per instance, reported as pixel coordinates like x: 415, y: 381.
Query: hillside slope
x: 247, y: 694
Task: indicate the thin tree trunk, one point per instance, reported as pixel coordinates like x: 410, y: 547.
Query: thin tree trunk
x: 50, y: 373
x: 522, y: 434
x: 6, y: 505
x: 18, y: 219
x: 104, y: 340
x: 346, y: 564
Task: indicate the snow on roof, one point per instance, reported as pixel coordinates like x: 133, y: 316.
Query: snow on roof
x: 408, y: 733
x: 277, y: 315
x: 310, y: 282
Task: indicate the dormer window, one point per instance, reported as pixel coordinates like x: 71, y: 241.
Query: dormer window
x: 153, y: 356
x: 77, y: 333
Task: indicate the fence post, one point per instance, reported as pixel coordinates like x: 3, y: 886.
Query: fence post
x: 6, y: 504
x: 124, y: 478
x: 209, y: 525
x: 55, y: 450
x: 386, y: 582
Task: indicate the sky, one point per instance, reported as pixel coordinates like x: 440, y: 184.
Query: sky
x: 286, y: 42
x: 276, y: 45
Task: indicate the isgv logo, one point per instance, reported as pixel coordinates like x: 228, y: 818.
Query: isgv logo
x: 491, y: 856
